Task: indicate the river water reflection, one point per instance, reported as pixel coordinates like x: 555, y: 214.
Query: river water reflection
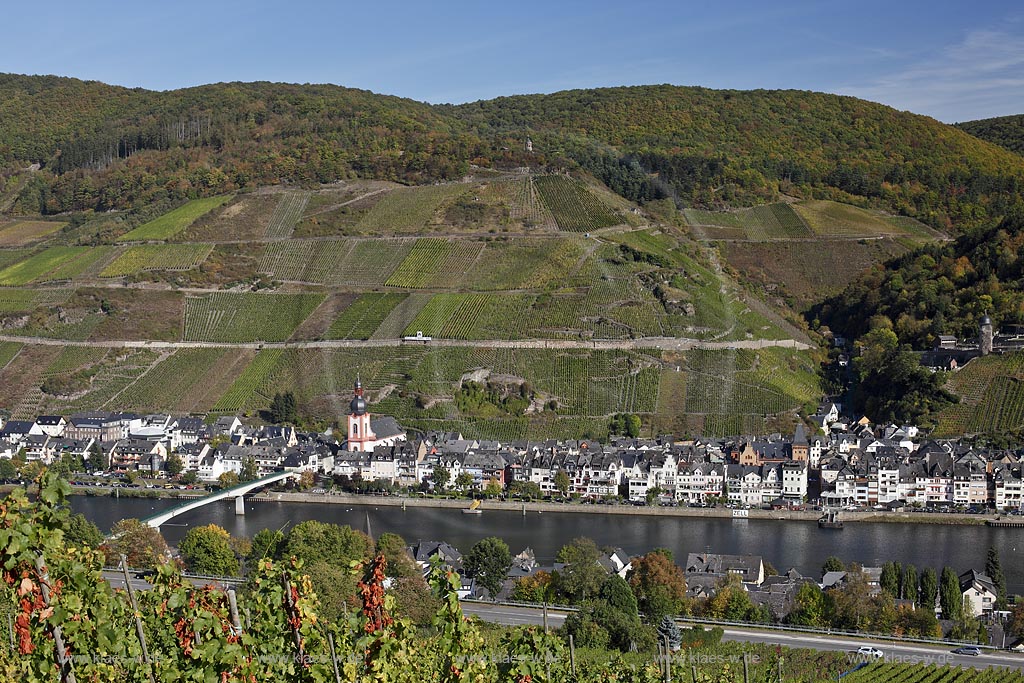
x: 785, y: 544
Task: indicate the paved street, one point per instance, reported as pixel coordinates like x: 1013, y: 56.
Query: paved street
x: 903, y: 652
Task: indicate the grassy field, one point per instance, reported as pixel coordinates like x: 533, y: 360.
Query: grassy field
x: 18, y: 233
x: 143, y: 257
x: 173, y: 222
x: 991, y: 391
x: 9, y: 257
x: 246, y: 317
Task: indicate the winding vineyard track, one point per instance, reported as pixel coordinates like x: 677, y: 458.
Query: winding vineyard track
x: 663, y: 343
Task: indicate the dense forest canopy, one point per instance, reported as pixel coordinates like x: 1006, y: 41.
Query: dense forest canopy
x: 104, y: 147
x: 941, y: 288
x: 1005, y: 131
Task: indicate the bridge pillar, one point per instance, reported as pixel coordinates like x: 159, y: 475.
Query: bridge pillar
x: 240, y: 505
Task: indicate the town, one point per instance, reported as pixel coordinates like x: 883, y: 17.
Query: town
x: 842, y: 464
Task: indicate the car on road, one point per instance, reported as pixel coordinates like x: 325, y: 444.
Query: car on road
x: 869, y: 651
x: 971, y: 650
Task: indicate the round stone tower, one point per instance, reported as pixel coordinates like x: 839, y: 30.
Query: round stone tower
x: 985, y: 336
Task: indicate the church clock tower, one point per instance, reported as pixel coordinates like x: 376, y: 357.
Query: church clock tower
x: 360, y: 434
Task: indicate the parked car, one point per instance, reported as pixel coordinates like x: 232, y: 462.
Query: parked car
x: 971, y: 650
x: 869, y: 651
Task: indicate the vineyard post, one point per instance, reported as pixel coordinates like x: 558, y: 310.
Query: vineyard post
x: 290, y: 605
x: 334, y: 657
x: 233, y: 606
x: 10, y: 630
x: 138, y: 618
x: 572, y: 654
x: 746, y: 669
x: 67, y: 674
x: 693, y: 672
x: 668, y: 661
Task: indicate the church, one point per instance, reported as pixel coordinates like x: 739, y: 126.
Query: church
x: 366, y: 432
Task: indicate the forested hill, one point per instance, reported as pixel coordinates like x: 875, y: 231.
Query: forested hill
x: 102, y: 147
x: 1005, y: 131
x: 714, y: 144
x: 941, y: 288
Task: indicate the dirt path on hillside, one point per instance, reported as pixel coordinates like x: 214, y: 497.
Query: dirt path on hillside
x: 658, y: 343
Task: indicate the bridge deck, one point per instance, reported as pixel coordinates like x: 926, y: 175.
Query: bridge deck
x: 234, y: 492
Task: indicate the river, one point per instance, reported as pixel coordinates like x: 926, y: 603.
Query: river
x: 786, y: 544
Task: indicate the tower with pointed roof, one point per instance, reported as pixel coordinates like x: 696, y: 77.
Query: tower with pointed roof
x: 360, y: 432
x: 801, y: 448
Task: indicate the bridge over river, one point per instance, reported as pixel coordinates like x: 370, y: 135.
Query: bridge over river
x: 236, y: 492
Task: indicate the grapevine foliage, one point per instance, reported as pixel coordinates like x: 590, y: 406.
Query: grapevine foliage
x: 56, y: 592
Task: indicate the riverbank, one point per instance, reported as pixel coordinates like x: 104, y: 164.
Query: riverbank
x: 540, y: 507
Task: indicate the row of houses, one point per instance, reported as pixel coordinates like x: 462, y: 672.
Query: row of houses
x: 936, y: 475
x: 857, y: 464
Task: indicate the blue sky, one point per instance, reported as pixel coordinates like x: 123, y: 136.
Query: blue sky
x: 952, y: 60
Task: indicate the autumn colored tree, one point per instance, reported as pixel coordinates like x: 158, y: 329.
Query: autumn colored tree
x: 141, y: 544
x: 659, y: 586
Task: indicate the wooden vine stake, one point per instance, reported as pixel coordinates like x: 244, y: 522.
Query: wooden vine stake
x: 334, y: 657
x: 67, y: 674
x: 292, y: 616
x: 138, y: 618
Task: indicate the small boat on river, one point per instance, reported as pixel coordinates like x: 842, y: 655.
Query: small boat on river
x: 830, y: 520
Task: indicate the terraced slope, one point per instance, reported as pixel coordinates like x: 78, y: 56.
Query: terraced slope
x: 537, y: 261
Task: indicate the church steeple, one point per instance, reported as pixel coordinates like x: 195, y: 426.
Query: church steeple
x: 360, y: 432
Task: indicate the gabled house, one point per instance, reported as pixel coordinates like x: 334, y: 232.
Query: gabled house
x: 18, y: 431
x: 52, y: 425
x: 979, y: 591
x: 750, y: 568
x: 617, y: 562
